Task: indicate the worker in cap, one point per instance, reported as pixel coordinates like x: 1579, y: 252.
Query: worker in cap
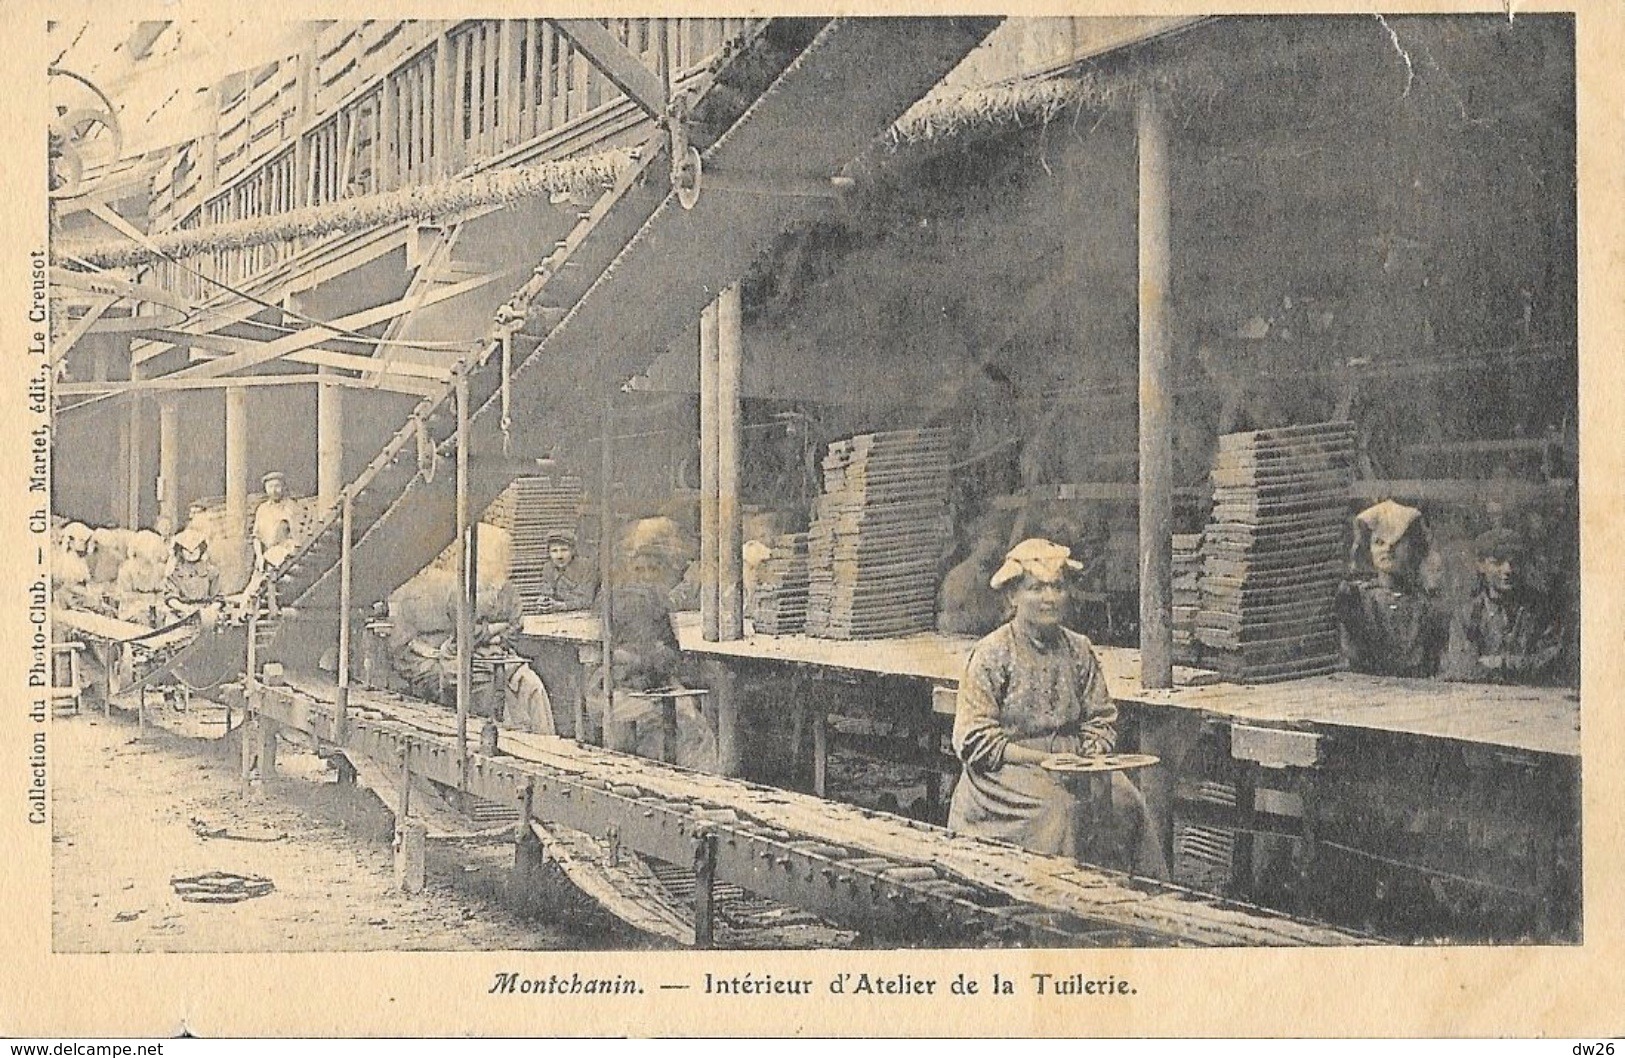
x: 274, y: 533
x: 567, y: 582
x: 1507, y: 632
x: 1034, y: 690
x: 1391, y: 624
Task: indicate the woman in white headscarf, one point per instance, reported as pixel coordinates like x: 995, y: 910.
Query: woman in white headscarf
x: 1392, y: 625
x: 1033, y: 689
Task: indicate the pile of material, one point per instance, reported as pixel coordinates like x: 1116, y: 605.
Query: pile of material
x: 1274, y: 552
x: 780, y: 607
x: 1187, y: 598
x: 530, y: 509
x: 877, y: 535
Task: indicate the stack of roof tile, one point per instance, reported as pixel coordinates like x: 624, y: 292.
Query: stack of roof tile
x: 1273, y: 552
x: 877, y: 535
x: 780, y: 607
x: 1187, y: 597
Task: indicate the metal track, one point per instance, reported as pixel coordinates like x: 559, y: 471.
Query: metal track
x: 890, y: 878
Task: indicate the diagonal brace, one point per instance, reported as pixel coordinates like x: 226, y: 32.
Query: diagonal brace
x: 625, y: 70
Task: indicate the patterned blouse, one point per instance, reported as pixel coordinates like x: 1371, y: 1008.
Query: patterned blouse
x: 1047, y: 696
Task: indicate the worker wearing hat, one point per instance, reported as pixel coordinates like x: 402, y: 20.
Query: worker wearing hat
x: 1507, y: 632
x: 1392, y: 625
x: 567, y: 583
x: 193, y: 577
x: 1033, y: 689
x: 274, y: 542
x: 274, y: 520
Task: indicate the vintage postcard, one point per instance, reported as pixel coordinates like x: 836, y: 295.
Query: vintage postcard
x: 1089, y: 520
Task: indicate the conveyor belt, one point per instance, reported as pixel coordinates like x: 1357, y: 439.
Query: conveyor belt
x: 888, y: 877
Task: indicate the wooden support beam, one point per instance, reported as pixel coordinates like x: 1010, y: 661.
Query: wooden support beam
x: 79, y: 328
x: 236, y: 469
x: 705, y: 876
x: 169, y: 462
x: 709, y: 597
x: 623, y: 69
x: 329, y: 440
x: 442, y: 106
x: 315, y: 335
x: 346, y: 603
x: 606, y: 558
x: 94, y: 390
x: 132, y: 467
x: 465, y: 576
x: 730, y: 562
x: 1156, y: 400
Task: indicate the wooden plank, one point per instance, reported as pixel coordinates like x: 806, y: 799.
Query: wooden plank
x: 509, y: 103
x: 546, y: 115
x: 1274, y: 747
x: 494, y: 62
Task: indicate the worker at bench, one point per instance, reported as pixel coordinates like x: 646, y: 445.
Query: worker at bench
x: 1034, y: 689
x: 1507, y: 632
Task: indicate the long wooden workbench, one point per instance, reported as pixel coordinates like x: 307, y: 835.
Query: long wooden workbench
x: 1286, y: 793
x: 1533, y: 719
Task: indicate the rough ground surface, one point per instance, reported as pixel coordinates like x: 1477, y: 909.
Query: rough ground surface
x: 127, y: 812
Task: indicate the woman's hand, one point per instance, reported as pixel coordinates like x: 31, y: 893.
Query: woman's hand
x: 1014, y: 754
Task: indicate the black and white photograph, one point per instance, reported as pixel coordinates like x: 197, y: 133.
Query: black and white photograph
x: 836, y: 484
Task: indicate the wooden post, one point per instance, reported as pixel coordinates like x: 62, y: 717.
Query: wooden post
x: 329, y: 441
x: 169, y: 462
x: 725, y: 700
x: 730, y: 361
x: 606, y: 560
x: 346, y: 603
x: 132, y: 469
x: 465, y: 617
x: 710, y: 620
x: 411, y: 855
x: 705, y: 874
x: 236, y: 485
x: 1156, y: 400
x: 820, y: 733
x: 528, y: 853
x: 442, y: 105
x: 508, y: 96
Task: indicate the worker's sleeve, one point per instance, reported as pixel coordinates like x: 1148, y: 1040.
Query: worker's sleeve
x: 979, y: 737
x: 1541, y: 652
x: 576, y: 592
x: 1460, y: 662
x: 1099, y: 731
x: 1351, y: 619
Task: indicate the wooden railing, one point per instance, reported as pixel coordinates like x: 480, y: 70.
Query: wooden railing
x: 377, y: 106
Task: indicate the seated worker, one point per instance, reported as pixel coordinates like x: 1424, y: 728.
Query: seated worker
x: 70, y: 566
x: 966, y: 605
x: 274, y: 520
x: 567, y: 582
x: 273, y: 535
x: 423, y: 650
x: 1392, y: 626
x: 193, y: 578
x: 1034, y: 689
x: 1507, y: 632
x: 139, y: 590
x: 646, y: 660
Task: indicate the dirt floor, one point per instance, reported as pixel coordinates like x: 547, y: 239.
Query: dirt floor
x: 131, y: 813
